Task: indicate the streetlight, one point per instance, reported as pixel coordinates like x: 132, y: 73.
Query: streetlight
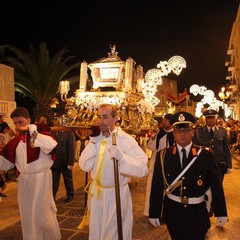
x: 224, y: 95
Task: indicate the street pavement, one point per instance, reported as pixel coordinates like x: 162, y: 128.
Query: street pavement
x: 70, y: 214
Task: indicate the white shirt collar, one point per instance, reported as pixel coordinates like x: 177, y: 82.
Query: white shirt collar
x: 213, y: 128
x: 188, y: 147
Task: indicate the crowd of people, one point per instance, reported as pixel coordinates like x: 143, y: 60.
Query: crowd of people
x: 185, y: 172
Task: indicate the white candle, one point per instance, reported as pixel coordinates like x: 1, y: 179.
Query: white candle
x: 83, y: 76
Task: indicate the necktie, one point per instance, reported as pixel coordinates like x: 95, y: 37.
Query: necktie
x: 211, y: 132
x: 184, y: 158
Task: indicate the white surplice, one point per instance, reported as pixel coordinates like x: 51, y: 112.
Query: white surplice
x: 35, y: 198
x: 103, y: 217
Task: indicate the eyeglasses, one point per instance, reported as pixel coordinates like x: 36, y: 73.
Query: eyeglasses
x: 183, y: 130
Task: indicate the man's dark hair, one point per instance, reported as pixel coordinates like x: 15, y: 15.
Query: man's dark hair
x: 20, y: 112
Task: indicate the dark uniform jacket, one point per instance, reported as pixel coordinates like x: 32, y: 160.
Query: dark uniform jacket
x: 219, y: 144
x: 204, y: 173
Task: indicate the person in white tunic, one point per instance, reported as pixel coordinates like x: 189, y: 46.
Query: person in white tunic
x: 132, y: 162
x: 157, y: 141
x: 30, y: 152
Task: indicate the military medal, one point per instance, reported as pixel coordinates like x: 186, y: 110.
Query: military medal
x: 199, y: 182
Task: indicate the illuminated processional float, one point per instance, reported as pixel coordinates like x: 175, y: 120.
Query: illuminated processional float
x: 121, y: 83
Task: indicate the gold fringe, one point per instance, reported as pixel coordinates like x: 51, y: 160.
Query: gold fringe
x: 84, y: 222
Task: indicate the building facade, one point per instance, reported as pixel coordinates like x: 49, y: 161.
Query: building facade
x: 233, y: 65
x: 7, y: 96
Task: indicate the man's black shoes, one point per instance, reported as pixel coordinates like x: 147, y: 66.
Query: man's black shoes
x: 69, y: 199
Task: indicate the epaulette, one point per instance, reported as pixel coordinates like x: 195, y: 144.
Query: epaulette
x: 203, y: 147
x: 207, y: 149
x: 174, y: 150
x: 194, y: 151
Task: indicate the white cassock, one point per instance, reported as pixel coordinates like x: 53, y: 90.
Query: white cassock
x: 152, y: 146
x: 102, y: 202
x: 35, y: 198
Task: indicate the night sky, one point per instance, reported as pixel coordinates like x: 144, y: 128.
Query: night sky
x: 148, y: 31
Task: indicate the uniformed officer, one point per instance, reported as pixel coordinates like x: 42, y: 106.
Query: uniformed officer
x: 216, y: 138
x: 182, y: 181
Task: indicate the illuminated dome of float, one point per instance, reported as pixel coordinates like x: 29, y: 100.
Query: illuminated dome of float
x: 133, y: 94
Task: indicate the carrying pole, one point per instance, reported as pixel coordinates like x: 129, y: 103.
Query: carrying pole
x: 58, y: 129
x: 117, y: 192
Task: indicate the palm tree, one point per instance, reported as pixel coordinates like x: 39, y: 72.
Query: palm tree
x: 37, y: 75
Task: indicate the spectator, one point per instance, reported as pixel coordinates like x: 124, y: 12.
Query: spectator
x: 1, y: 121
x: 183, y: 175
x: 64, y: 162
x: 30, y: 153
x: 8, y: 136
x: 3, y: 185
x: 97, y: 157
x: 7, y: 131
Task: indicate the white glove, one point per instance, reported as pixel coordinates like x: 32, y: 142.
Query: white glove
x: 154, y: 221
x: 229, y: 170
x: 32, y: 128
x: 116, y: 152
x: 69, y: 167
x: 221, y: 221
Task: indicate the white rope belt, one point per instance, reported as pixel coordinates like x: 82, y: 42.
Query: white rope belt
x: 185, y: 200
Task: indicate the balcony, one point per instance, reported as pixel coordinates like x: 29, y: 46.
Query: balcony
x: 230, y: 51
x: 232, y: 69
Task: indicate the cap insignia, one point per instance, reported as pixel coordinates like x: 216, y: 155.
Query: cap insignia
x: 181, y: 117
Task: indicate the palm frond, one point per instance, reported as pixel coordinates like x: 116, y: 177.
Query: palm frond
x: 37, y: 75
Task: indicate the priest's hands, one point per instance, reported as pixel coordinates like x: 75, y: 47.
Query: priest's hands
x: 116, y: 152
x: 32, y: 128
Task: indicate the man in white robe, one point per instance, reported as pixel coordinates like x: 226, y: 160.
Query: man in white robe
x: 30, y: 153
x: 164, y: 138
x: 132, y: 162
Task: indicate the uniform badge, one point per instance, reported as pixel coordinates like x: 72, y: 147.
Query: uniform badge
x: 199, y: 182
x: 181, y: 118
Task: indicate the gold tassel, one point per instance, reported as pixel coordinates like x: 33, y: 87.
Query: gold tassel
x: 84, y: 222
